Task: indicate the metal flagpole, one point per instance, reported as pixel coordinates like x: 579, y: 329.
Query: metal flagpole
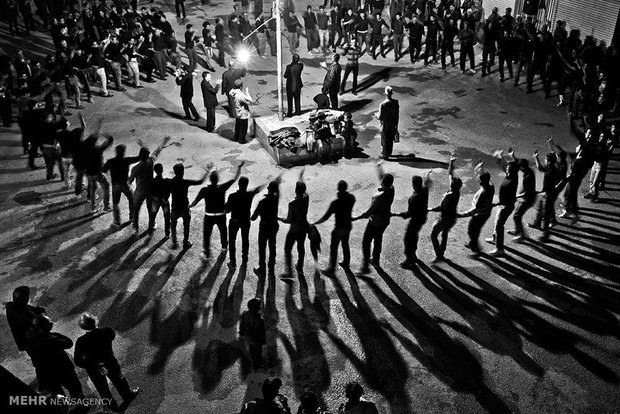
x: 278, y: 34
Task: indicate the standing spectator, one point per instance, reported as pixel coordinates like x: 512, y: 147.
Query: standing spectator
x: 349, y: 21
x: 94, y: 353
x: 388, y: 114
x: 272, y: 402
x: 159, y: 53
x: 272, y: 34
x: 53, y: 366
x: 214, y: 196
x: 417, y: 211
x: 142, y: 173
x: 179, y: 6
x: 467, y: 38
x: 292, y: 74
x: 341, y: 208
x: 416, y: 31
x: 331, y: 83
x: 447, y: 41
x: 362, y: 25
x: 241, y: 110
x: 209, y: 96
x: 185, y: 79
x: 292, y: 24
x: 312, y: 35
x: 335, y: 19
x: 190, y: 46
x: 481, y: 208
x: 506, y: 52
x: 432, y: 33
x: 119, y: 173
x: 252, y: 330
x: 448, y: 214
x: 352, y: 66
x: 267, y: 210
x: 260, y: 36
x: 20, y: 314
x: 180, y: 203
x: 397, y: 35
x: 238, y: 205
x: 355, y: 402
x: 297, y: 217
x: 378, y: 216
x: 322, y: 20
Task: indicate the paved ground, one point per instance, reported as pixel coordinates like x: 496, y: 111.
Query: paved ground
x: 534, y: 332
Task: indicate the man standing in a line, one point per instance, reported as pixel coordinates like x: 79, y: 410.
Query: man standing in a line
x: 331, y: 84
x: 185, y: 80
x: 241, y: 110
x: 310, y: 23
x: 209, y: 96
x: 267, y: 210
x: 292, y: 74
x: 388, y: 115
x: 119, y: 173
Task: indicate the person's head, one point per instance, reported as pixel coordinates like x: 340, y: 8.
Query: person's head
x: 144, y: 153
x: 456, y: 184
x: 387, y: 181
x: 189, y: 27
x: 524, y: 164
x: 309, y: 8
x: 353, y: 391
x: 206, y: 25
x: 245, y: 15
x: 508, y: 11
x: 214, y: 178
x: 42, y: 324
x: 416, y: 183
x: 238, y: 84
x: 350, y: 12
x: 271, y: 388
x: 158, y: 168
x: 322, y: 9
x: 602, y: 137
x: 378, y: 16
x: 362, y: 14
x: 432, y: 18
x: 398, y: 16
x: 63, y: 124
x: 120, y: 150
x: 309, y: 402
x: 88, y: 322
x: 388, y: 91
x: 254, y: 305
x: 336, y: 57
x: 512, y: 168
x: 206, y: 76
x: 21, y: 295
x: 348, y: 116
x: 300, y: 188
x: 551, y: 159
x: 295, y: 58
x: 484, y: 179
x: 179, y: 170
x: 342, y: 186
x: 273, y: 188
x: 600, y: 119
x: 243, y: 183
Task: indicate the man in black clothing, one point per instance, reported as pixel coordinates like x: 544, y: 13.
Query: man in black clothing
x: 310, y: 24
x: 525, y: 198
x: 70, y: 141
x: 94, y: 353
x: 185, y: 80
x: 447, y: 41
x: 53, y: 366
x: 416, y: 31
x: 119, y: 174
x: 209, y: 96
x: 331, y: 83
x: 417, y: 211
x: 20, y: 314
x: 267, y: 210
x: 214, y: 196
x: 341, y: 208
x: 545, y: 208
x: 431, y: 39
x: 178, y: 187
x: 506, y: 204
x: 160, y: 195
x: 93, y: 157
x: 378, y: 216
x: 377, y: 36
x: 292, y: 74
x: 238, y: 205
x: 297, y: 217
x: 448, y: 214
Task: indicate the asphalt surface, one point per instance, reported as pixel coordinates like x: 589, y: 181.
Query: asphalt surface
x: 533, y: 332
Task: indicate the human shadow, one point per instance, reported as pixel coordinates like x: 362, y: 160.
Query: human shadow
x: 218, y: 346
x: 308, y: 360
x: 354, y: 106
x: 374, y: 78
x: 179, y: 326
x: 535, y: 328
x: 271, y: 314
x: 448, y: 359
x: 382, y: 367
x: 418, y: 162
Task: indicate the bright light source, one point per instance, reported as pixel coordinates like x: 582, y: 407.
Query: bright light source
x: 243, y: 55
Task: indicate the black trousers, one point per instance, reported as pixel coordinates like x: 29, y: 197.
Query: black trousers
x: 377, y: 40
x: 522, y: 206
x: 179, y: 6
x: 115, y: 375
x: 411, y: 239
x: 175, y: 215
x: 372, y: 235
x: 55, y: 381
x: 431, y: 50
x: 209, y: 222
x: 292, y: 237
x: 474, y: 228
x: 241, y: 130
x: 347, y: 70
x: 188, y: 107
x: 339, y: 235
x: 504, y: 60
x: 333, y: 99
x: 467, y: 52
x: 233, y: 228
x: 293, y: 96
x: 415, y: 48
x: 163, y: 204
x: 210, y: 119
x: 267, y: 237
x: 447, y: 48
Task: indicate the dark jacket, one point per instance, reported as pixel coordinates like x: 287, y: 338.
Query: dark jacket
x: 293, y: 77
x: 94, y: 348
x: 332, y: 78
x: 20, y: 320
x: 187, y: 85
x: 209, y: 94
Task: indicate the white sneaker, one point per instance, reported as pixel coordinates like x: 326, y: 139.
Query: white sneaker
x: 518, y: 239
x: 472, y: 71
x: 497, y: 252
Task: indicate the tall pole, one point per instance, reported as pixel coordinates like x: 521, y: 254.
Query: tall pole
x: 278, y: 34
